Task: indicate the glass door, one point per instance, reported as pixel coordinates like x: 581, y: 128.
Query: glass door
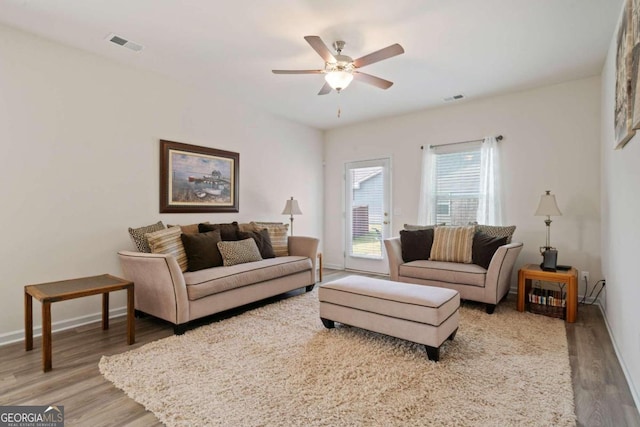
x: 367, y: 215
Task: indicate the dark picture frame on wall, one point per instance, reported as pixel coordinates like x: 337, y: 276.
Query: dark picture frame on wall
x: 623, y: 105
x: 635, y: 63
x: 198, y: 179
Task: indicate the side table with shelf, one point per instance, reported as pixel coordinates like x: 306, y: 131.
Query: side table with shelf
x: 531, y: 272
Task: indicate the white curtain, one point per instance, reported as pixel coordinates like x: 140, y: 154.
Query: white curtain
x: 490, y: 202
x: 426, y: 208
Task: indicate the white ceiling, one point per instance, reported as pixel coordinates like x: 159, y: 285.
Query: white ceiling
x: 477, y: 48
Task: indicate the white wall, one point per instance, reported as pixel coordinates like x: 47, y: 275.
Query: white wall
x: 80, y: 163
x: 620, y: 205
x: 551, y: 143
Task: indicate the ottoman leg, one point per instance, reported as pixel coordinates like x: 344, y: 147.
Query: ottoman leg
x: 433, y: 353
x: 453, y: 335
x: 329, y: 324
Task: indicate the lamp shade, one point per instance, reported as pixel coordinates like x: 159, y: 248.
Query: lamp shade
x: 548, y: 205
x: 291, y: 208
x: 338, y: 79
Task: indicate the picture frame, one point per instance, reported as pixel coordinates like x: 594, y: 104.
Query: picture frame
x: 195, y: 179
x: 635, y: 63
x: 623, y: 114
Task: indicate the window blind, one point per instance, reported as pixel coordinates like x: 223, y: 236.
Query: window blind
x: 457, y: 185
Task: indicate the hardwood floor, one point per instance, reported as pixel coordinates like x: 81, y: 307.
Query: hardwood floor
x: 601, y: 394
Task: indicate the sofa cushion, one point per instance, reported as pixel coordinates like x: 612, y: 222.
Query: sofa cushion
x: 416, y: 244
x: 202, y: 250
x: 484, y: 247
x: 497, y: 230
x: 219, y: 279
x: 278, y: 233
x: 168, y: 242
x: 453, y: 244
x: 228, y: 232
x: 449, y: 272
x: 239, y: 252
x: 263, y: 241
x: 139, y: 235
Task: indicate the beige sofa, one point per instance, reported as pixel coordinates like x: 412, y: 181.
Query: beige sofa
x: 472, y: 281
x: 164, y: 291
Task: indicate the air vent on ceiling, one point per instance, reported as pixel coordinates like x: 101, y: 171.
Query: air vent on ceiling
x: 454, y: 98
x: 121, y: 41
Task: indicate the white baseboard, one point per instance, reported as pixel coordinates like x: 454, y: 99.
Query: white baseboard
x: 333, y: 266
x: 15, y: 336
x: 632, y: 387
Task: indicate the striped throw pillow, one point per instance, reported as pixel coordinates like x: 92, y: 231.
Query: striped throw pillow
x: 453, y: 244
x: 168, y: 242
x: 278, y: 233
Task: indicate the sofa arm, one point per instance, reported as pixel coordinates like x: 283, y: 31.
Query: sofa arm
x: 394, y: 255
x: 498, y: 281
x: 159, y: 285
x: 305, y: 246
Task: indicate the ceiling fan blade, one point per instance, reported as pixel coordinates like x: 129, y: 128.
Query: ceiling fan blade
x: 379, y: 55
x: 325, y: 89
x: 297, y: 71
x: 372, y: 80
x: 318, y: 45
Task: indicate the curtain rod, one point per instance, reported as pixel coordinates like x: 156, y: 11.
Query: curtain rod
x: 498, y: 138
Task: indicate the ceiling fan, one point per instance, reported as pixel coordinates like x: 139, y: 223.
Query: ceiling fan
x: 340, y: 70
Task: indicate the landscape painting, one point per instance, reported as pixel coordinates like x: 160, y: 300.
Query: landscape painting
x: 623, y: 114
x: 197, y: 179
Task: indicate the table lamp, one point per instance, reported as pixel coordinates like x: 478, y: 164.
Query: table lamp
x: 548, y: 207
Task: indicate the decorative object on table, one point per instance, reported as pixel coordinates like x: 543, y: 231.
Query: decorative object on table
x: 198, y: 179
x: 548, y: 207
x: 291, y: 208
x: 623, y: 114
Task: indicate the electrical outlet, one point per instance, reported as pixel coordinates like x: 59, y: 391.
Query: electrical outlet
x: 584, y: 275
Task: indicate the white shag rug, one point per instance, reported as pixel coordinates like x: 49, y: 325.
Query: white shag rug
x: 278, y: 366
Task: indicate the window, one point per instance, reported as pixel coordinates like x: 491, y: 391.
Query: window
x: 461, y: 183
x: 457, y: 187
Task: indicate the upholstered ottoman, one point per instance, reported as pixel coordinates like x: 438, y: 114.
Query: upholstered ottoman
x: 422, y: 314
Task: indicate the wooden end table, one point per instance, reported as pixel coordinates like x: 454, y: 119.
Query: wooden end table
x: 48, y: 293
x: 569, y: 277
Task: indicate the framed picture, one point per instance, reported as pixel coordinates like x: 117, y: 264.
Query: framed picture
x: 635, y: 63
x: 197, y: 179
x: 623, y: 106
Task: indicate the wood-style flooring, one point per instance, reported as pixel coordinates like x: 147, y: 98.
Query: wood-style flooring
x: 602, y: 396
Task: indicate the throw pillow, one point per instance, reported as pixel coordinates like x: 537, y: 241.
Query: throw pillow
x: 411, y: 227
x: 168, y: 242
x: 188, y: 229
x: 453, y: 244
x: 202, y: 250
x: 498, y: 231
x: 416, y: 244
x: 262, y: 241
x: 239, y: 252
x: 278, y: 233
x: 228, y: 232
x: 138, y: 235
x: 484, y: 247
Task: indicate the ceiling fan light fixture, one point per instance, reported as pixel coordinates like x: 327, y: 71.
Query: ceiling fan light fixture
x: 338, y: 79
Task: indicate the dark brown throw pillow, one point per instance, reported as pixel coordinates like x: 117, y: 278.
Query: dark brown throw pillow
x: 484, y: 247
x: 263, y: 241
x: 416, y: 244
x: 228, y: 232
x: 202, y: 250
